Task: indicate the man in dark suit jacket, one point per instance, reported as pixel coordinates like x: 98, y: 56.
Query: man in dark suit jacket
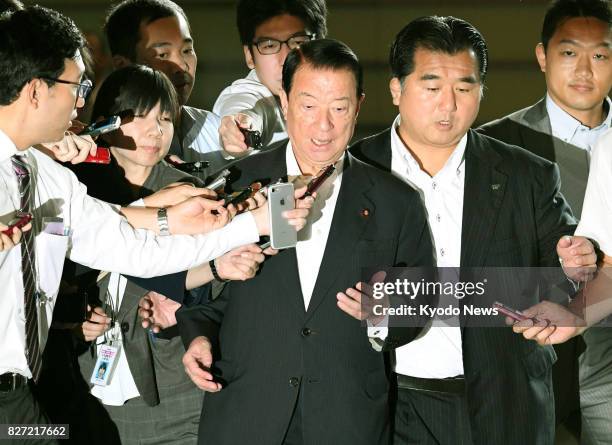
x: 288, y: 365
x: 509, y: 213
x: 563, y: 127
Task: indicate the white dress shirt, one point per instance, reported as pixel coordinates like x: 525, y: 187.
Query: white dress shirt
x: 253, y: 98
x: 312, y: 239
x: 198, y: 134
x: 596, y: 222
x: 437, y: 352
x: 122, y: 386
x: 571, y: 130
x: 95, y: 234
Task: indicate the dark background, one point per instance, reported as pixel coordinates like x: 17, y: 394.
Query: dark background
x: 511, y: 28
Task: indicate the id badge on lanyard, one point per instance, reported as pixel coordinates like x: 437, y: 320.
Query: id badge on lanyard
x: 108, y: 357
x: 110, y: 350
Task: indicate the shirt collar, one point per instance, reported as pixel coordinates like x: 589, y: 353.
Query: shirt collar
x: 564, y: 126
x: 453, y: 163
x: 7, y: 147
x: 293, y: 168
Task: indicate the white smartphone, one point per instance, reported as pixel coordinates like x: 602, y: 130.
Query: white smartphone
x: 281, y: 198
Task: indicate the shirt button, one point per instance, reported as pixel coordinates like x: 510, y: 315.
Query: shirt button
x: 294, y: 381
x: 442, y: 252
x: 434, y: 185
x: 306, y: 332
x: 438, y: 217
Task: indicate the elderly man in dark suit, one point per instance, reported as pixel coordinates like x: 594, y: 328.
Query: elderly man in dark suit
x: 489, y: 204
x: 291, y: 367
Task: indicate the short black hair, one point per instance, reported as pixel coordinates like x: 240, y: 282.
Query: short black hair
x: 323, y: 54
x: 562, y: 10
x: 135, y: 89
x: 34, y: 43
x: 447, y: 34
x: 10, y: 5
x: 252, y: 13
x: 122, y: 25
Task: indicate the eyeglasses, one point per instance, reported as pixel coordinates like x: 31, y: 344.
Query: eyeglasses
x: 83, y: 90
x: 272, y: 46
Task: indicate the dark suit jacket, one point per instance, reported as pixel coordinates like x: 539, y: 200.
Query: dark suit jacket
x: 271, y: 349
x: 530, y: 129
x: 517, y: 223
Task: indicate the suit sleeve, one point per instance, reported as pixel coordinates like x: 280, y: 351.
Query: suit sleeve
x: 416, y: 253
x: 204, y: 319
x: 554, y: 218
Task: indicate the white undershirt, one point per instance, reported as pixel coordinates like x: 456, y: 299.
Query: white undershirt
x: 437, y: 352
x: 313, y: 238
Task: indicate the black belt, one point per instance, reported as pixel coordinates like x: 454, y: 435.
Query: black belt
x: 453, y: 385
x: 12, y: 381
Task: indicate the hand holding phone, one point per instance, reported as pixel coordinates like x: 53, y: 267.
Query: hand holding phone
x: 20, y: 220
x: 102, y: 156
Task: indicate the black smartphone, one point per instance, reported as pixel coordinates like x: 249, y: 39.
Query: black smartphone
x: 104, y: 126
x: 242, y: 195
x: 189, y: 167
x: 252, y: 138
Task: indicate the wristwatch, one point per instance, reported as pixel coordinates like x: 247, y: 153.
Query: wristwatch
x: 162, y: 221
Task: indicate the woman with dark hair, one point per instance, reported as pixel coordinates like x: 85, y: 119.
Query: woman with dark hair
x: 147, y: 398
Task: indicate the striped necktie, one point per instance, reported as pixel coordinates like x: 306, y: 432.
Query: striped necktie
x: 28, y: 269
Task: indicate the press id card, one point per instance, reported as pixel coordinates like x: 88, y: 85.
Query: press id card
x: 108, y: 357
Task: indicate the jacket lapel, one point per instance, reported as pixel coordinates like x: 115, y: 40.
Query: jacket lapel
x: 348, y: 224
x: 484, y: 191
x: 535, y: 131
x: 273, y: 167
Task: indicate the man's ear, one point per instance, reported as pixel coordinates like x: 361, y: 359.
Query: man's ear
x: 359, y: 102
x: 540, y: 53
x: 121, y: 61
x: 284, y: 102
x: 34, y: 90
x: 248, y: 57
x: 395, y: 87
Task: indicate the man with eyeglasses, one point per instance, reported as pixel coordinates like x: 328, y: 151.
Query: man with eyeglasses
x: 41, y: 86
x: 268, y: 30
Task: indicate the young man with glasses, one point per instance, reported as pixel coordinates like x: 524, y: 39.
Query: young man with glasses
x: 268, y: 30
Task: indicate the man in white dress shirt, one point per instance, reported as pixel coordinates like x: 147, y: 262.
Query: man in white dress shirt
x: 467, y: 385
x: 41, y: 86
